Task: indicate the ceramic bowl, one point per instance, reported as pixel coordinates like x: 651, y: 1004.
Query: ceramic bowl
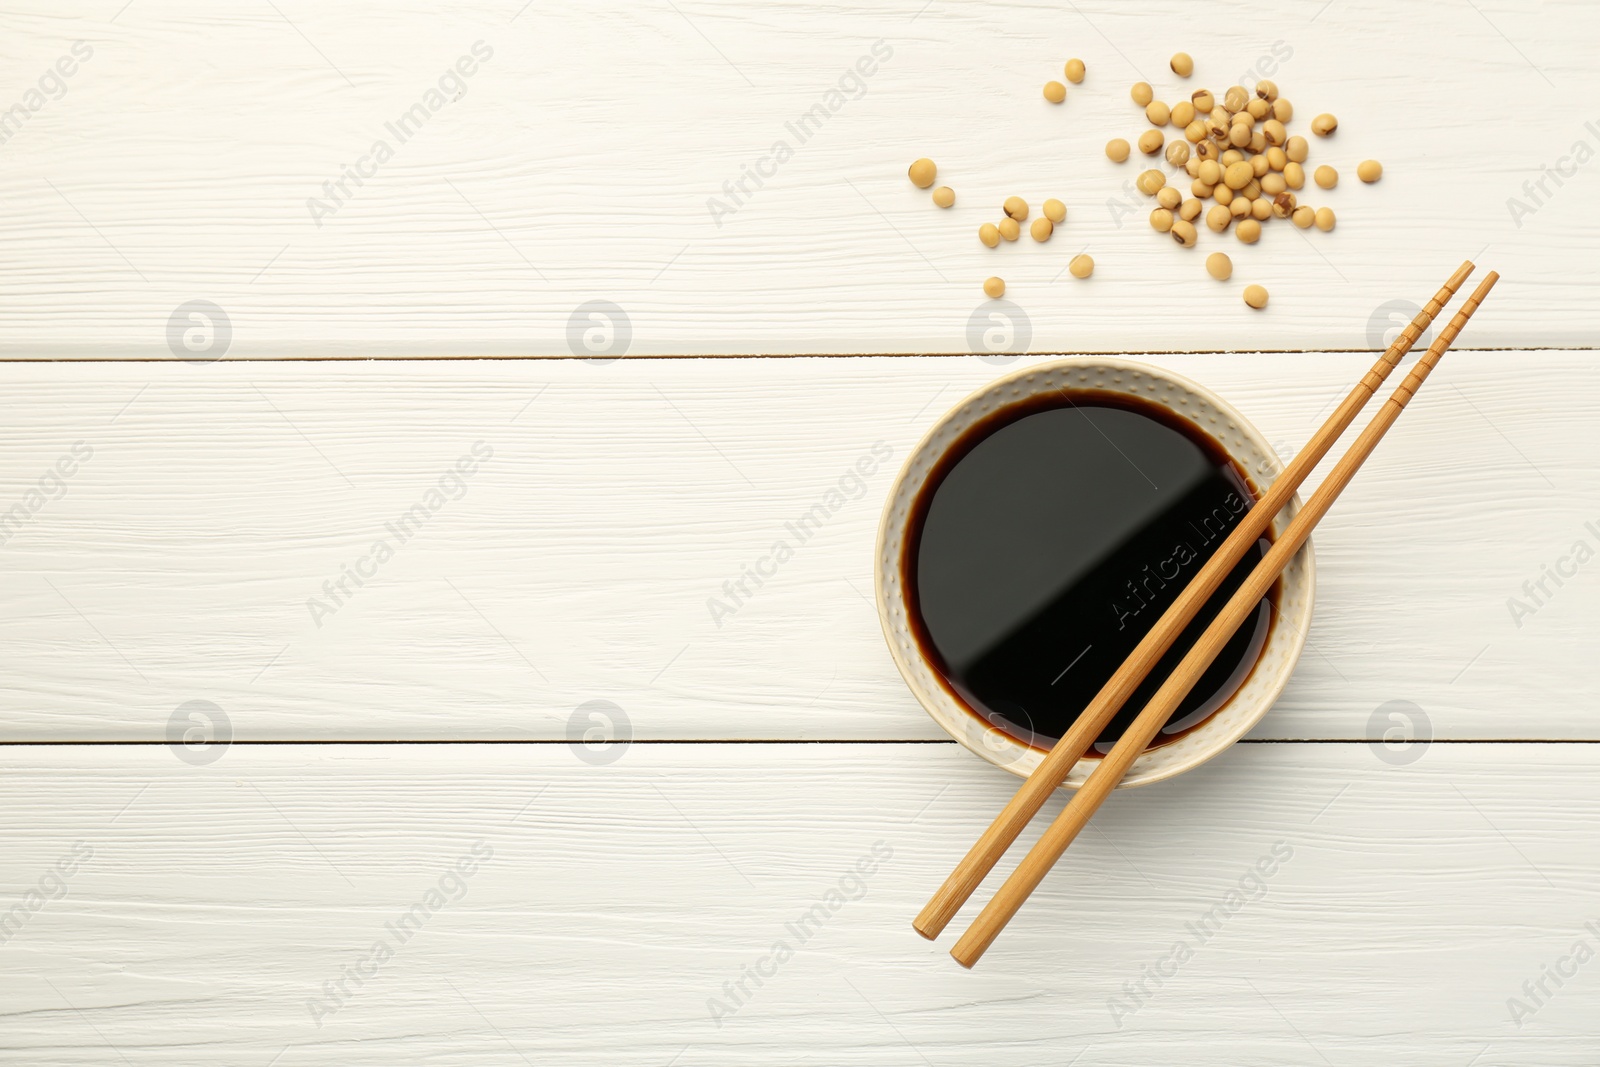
x: 1242, y: 441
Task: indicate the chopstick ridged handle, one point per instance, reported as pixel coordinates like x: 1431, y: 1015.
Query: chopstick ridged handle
x: 1044, y: 854
x: 1408, y: 387
x: 1087, y: 727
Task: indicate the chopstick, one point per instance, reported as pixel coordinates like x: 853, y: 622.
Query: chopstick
x: 1104, y: 778
x: 1089, y: 724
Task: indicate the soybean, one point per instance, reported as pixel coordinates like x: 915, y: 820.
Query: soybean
x: 1158, y: 113
x: 1203, y: 101
x: 1189, y: 210
x: 1074, y: 71
x: 1169, y: 197
x: 1041, y: 229
x: 1326, y: 176
x: 1161, y: 220
x: 1255, y: 296
x: 1218, y: 218
x: 1142, y: 93
x: 1195, y: 132
x: 1150, y: 182
x: 922, y: 172
x: 1055, y: 210
x: 1283, y: 205
x: 1117, y: 150
x: 1081, y: 266
x: 1248, y: 231
x: 994, y: 288
x: 989, y: 234
x: 1009, y: 229
x: 1178, y: 153
x: 1150, y: 142
x: 1055, y: 92
x: 1182, y: 113
x: 1296, y: 149
x: 1258, y: 109
x: 1261, y: 209
x: 1184, y: 233
x: 1282, y: 110
x: 1182, y: 65
x: 944, y: 196
x: 1325, y: 219
x: 1324, y: 124
x: 1015, y: 207
x: 1219, y: 266
x: 1294, y: 175
x: 1235, y: 98
x: 1238, y: 175
x: 1267, y: 90
x: 1303, y: 216
x: 1369, y: 170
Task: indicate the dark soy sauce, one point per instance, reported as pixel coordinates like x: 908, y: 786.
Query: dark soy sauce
x: 1050, y: 539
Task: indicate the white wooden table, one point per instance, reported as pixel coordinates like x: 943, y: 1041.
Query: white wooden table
x: 394, y: 852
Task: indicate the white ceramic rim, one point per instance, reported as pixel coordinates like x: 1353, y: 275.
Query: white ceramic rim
x: 1212, y: 414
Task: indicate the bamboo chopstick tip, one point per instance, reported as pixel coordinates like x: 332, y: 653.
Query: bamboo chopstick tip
x: 966, y: 959
x: 1462, y: 273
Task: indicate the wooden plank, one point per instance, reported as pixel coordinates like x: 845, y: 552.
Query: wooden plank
x: 580, y: 161
x: 183, y: 559
x: 1400, y: 909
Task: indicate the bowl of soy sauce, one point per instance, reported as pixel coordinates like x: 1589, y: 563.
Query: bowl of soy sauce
x: 1042, y: 527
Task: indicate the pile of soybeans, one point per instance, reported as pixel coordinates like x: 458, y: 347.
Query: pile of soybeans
x: 1237, y: 150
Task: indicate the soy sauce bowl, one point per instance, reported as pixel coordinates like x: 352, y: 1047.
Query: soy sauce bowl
x: 1137, y: 382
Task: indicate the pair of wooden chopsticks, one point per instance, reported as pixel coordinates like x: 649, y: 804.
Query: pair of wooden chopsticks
x: 1055, y: 767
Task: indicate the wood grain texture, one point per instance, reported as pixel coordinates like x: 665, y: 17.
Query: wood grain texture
x: 1412, y: 903
x: 578, y: 162
x: 579, y: 562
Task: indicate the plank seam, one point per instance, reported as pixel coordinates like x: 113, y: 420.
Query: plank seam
x: 558, y: 357
x: 773, y: 741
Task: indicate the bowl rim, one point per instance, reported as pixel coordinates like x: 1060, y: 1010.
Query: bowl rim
x: 1219, y: 731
